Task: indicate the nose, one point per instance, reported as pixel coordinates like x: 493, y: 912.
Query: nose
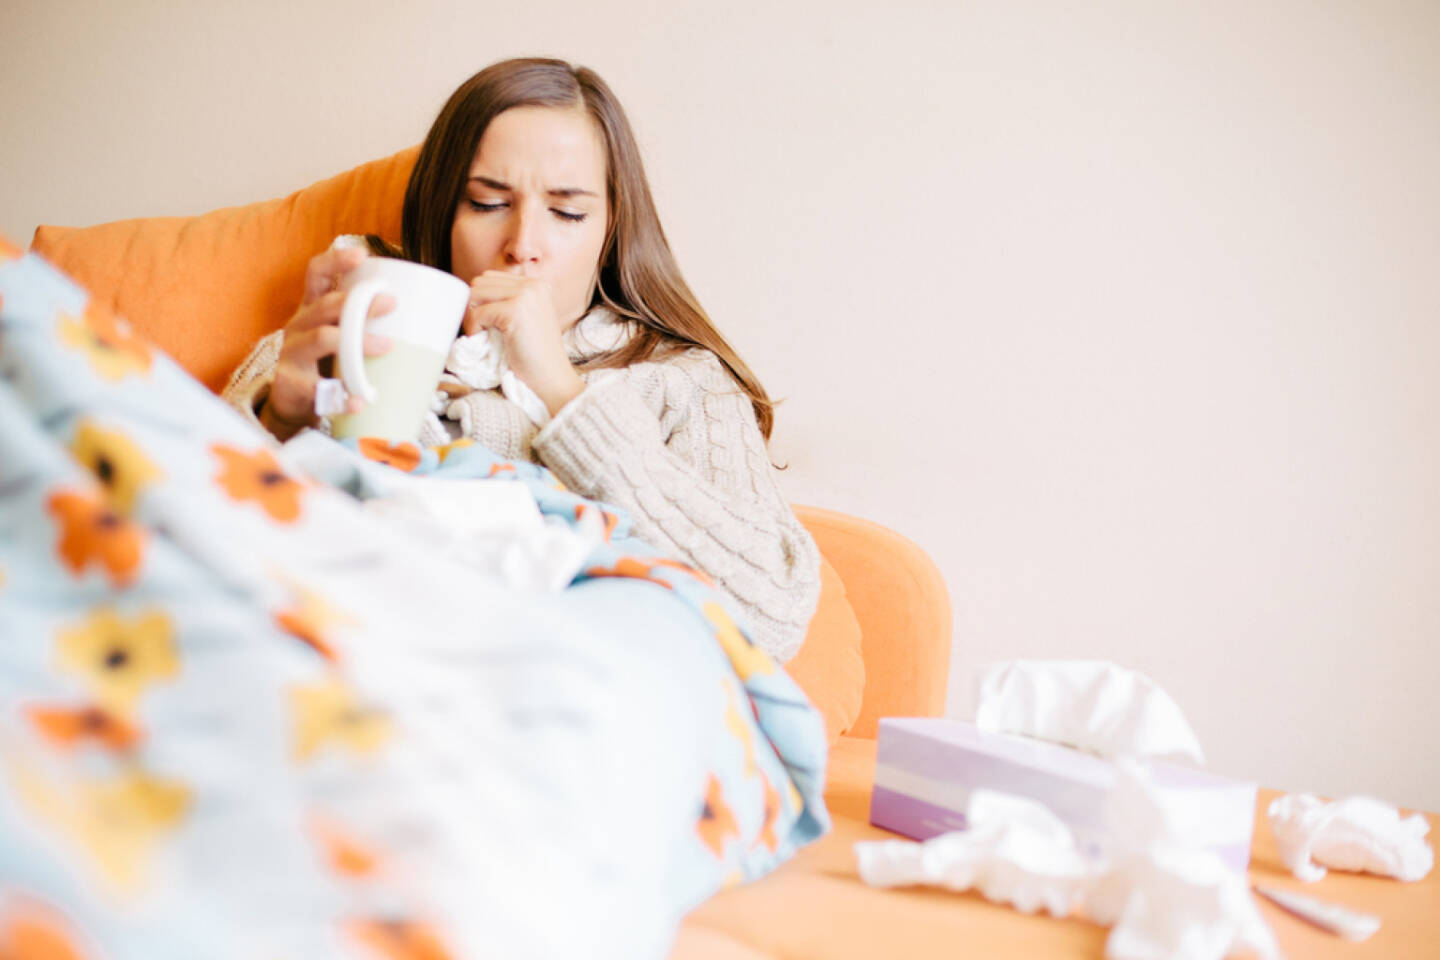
x: 522, y: 246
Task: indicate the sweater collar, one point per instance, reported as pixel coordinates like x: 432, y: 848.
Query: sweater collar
x: 599, y: 331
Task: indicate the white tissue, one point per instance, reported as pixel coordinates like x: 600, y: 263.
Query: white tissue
x: 1091, y: 704
x: 1357, y: 833
x: 1014, y: 851
x: 330, y: 397
x: 478, y: 360
x: 492, y: 526
x: 1161, y: 898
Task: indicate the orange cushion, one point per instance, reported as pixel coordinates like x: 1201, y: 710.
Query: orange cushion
x: 205, y: 289
x: 902, y: 605
x: 829, y: 666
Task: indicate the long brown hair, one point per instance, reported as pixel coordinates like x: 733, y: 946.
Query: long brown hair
x: 638, y: 277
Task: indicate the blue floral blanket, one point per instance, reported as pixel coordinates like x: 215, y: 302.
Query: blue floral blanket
x: 241, y: 717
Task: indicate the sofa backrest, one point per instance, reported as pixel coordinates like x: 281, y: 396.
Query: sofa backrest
x: 206, y: 288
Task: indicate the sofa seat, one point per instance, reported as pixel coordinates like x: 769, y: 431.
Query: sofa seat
x: 816, y: 908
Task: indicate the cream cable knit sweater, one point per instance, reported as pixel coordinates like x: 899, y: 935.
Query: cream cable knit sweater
x: 673, y: 441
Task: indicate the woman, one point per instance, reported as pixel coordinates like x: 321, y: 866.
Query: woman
x: 529, y: 187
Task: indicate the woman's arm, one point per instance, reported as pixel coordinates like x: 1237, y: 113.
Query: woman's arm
x: 249, y: 386
x: 675, y: 443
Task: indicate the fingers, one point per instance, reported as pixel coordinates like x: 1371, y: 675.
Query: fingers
x: 495, y: 315
x: 497, y: 298
x: 305, y: 348
x: 325, y: 270
x: 495, y: 285
x: 326, y: 311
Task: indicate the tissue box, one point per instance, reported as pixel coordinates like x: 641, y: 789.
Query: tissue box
x: 926, y: 767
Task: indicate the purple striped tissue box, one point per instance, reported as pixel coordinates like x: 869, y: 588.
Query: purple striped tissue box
x: 925, y: 768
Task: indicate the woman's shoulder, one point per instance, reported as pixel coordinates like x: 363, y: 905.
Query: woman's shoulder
x: 692, y: 365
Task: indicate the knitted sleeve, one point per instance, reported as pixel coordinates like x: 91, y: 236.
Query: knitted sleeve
x: 698, y: 483
x: 249, y: 385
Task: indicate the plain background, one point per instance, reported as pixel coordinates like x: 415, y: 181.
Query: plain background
x: 1126, y: 312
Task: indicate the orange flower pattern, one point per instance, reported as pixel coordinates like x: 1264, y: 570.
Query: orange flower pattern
x: 402, y: 456
x: 31, y: 932
x: 311, y: 619
x: 610, y: 520
x: 258, y: 476
x: 67, y: 727
x: 342, y: 852
x: 631, y: 567
x: 717, y: 821
x: 399, y: 939
x: 113, y: 349
x: 93, y: 534
x: 643, y: 568
x: 768, y: 837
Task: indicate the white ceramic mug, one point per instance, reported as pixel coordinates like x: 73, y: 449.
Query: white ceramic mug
x: 397, y: 386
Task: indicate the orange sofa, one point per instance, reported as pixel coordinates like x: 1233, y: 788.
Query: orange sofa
x: 206, y: 288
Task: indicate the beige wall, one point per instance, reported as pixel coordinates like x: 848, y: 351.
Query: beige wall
x: 1126, y: 313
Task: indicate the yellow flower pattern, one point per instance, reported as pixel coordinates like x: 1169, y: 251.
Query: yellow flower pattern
x: 117, y: 820
x: 117, y: 657
x: 745, y: 657
x: 329, y: 713
x: 735, y: 723
x: 114, y: 351
x: 120, y: 466
x: 445, y: 450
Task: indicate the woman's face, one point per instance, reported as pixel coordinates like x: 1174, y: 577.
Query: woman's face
x: 535, y: 204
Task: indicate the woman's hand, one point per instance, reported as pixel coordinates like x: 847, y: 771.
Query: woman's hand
x: 521, y: 309
x: 311, y: 336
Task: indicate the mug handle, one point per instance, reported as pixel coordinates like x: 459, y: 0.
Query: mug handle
x: 351, y: 355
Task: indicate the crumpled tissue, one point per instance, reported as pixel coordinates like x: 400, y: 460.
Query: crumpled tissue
x: 494, y: 527
x: 1357, y: 833
x: 1015, y: 851
x: 478, y: 360
x: 1091, y: 704
x: 1162, y: 898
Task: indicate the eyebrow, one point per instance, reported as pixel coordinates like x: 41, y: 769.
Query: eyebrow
x: 553, y: 191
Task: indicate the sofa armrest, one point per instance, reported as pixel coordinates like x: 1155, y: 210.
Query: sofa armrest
x: 903, y: 608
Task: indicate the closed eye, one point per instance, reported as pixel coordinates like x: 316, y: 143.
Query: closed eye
x: 567, y: 215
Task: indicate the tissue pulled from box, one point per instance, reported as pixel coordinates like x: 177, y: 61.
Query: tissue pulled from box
x: 1090, y: 704
x: 1015, y: 851
x: 1162, y: 897
x: 1358, y: 833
